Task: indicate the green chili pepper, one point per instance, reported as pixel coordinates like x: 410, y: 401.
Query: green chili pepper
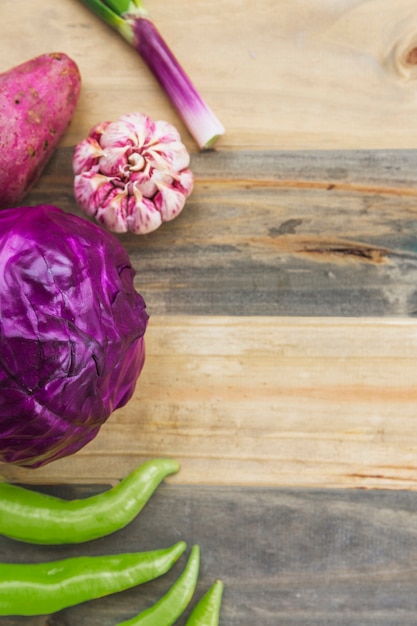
x: 44, y: 588
x: 38, y: 518
x: 171, y: 606
x: 207, y: 611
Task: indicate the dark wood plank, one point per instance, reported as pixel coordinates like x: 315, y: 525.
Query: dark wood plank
x: 278, y: 233
x: 296, y: 557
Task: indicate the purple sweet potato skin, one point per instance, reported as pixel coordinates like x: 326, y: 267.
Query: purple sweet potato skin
x: 37, y: 102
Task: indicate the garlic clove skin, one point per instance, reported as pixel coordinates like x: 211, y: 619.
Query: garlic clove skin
x: 125, y: 212
x: 132, y: 174
x: 170, y: 199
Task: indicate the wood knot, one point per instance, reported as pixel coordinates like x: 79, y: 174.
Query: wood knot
x: 411, y: 58
x: 403, y: 58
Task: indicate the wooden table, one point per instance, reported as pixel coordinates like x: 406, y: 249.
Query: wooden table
x: 281, y: 352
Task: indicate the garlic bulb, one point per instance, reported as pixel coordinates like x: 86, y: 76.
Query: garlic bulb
x: 132, y: 174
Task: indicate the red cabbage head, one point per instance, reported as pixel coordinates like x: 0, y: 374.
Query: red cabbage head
x: 71, y: 332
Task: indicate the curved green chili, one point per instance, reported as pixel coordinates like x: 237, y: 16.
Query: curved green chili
x: 44, y: 588
x: 29, y: 516
x: 171, y: 606
x: 207, y: 610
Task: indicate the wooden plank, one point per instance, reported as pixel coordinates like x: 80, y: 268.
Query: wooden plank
x: 287, y: 557
x: 265, y: 401
x: 288, y: 74
x: 321, y: 233
x: 258, y: 379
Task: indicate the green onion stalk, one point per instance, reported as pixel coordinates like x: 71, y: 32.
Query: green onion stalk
x: 130, y: 19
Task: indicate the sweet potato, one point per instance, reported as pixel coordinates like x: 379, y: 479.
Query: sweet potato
x: 37, y: 103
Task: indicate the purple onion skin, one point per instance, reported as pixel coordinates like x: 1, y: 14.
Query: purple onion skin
x: 194, y: 111
x: 159, y: 58
x: 71, y: 332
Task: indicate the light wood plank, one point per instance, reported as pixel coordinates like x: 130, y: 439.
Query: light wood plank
x: 282, y: 74
x: 265, y: 401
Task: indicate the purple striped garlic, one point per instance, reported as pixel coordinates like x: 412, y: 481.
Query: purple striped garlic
x: 132, y: 174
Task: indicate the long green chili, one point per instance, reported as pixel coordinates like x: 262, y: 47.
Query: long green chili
x: 29, y: 516
x: 44, y: 588
x: 171, y: 606
x: 207, y: 610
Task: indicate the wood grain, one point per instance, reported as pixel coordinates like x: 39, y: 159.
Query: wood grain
x: 281, y: 348
x: 281, y: 351
x: 315, y: 233
x: 284, y: 74
x: 287, y: 557
x: 264, y: 401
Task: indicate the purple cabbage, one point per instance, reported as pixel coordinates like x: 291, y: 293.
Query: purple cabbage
x: 71, y: 332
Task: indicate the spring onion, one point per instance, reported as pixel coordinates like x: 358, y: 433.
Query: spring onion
x: 130, y: 19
